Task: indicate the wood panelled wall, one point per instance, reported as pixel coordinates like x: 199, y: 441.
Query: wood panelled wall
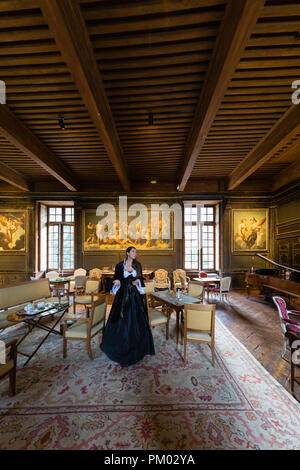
x: 18, y: 266
x: 284, y: 237
x: 287, y: 234
x: 237, y: 264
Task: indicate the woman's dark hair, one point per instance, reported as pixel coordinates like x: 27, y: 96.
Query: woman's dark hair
x: 135, y: 264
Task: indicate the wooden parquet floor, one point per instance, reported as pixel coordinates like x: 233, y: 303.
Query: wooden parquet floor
x: 255, y: 323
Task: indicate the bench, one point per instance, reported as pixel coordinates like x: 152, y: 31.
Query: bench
x: 14, y: 298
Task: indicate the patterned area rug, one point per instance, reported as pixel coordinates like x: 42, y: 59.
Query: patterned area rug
x: 160, y: 403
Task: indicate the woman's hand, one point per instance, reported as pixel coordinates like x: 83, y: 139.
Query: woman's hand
x: 135, y: 283
x: 116, y: 282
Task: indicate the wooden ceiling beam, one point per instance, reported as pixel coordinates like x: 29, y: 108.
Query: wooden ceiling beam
x: 18, y: 134
x: 287, y: 176
x: 14, y: 178
x: 68, y: 27
x: 237, y: 25
x: 280, y: 134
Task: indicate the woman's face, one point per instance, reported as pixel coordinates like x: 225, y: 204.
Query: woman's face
x: 132, y: 253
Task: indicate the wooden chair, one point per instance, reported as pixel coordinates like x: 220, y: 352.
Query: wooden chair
x: 96, y: 275
x: 223, y: 290
x: 85, y: 329
x: 80, y: 272
x: 287, y: 324
x: 52, y: 275
x: 161, y: 279
x: 88, y: 296
x: 180, y: 279
x: 199, y: 326
x: 196, y: 290
x: 77, y: 272
x: 157, y: 317
x: 10, y: 367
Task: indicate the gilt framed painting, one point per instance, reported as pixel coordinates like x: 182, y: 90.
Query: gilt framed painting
x: 93, y: 239
x: 12, y: 231
x: 250, y: 230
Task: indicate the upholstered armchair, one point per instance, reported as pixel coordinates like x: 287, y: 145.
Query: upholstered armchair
x: 88, y: 296
x: 77, y: 272
x: 287, y: 324
x: 196, y: 290
x: 223, y: 290
x: 161, y: 280
x: 180, y: 279
x: 96, y: 275
x: 157, y: 317
x: 10, y: 366
x: 85, y: 329
x: 199, y: 326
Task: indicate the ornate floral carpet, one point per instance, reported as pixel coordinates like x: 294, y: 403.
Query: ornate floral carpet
x: 160, y: 403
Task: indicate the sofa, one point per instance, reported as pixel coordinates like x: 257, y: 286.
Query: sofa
x: 14, y: 298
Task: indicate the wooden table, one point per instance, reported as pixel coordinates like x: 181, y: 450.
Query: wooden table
x: 59, y: 284
x: 206, y: 281
x: 173, y: 303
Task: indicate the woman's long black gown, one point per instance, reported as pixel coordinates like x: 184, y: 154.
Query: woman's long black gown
x: 127, y: 336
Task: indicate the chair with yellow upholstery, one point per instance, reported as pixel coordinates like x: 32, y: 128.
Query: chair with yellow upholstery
x: 10, y: 366
x: 161, y: 280
x: 180, y: 279
x: 196, y: 290
x: 88, y: 296
x: 157, y: 317
x: 86, y: 328
x: 95, y: 274
x: 199, y: 326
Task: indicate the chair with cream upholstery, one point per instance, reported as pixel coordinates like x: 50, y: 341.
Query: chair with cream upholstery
x: 52, y: 275
x: 89, y: 295
x: 80, y: 272
x: 85, y: 329
x: 199, y: 326
x: 10, y: 366
x: 161, y: 280
x: 196, y: 290
x: 157, y: 317
x: 223, y: 290
x: 96, y: 275
x: 180, y: 279
x: 77, y: 272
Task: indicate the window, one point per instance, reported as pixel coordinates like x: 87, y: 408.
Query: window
x: 200, y: 237
x: 56, y: 238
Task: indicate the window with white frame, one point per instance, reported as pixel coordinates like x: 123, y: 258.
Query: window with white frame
x: 200, y: 237
x: 57, y: 242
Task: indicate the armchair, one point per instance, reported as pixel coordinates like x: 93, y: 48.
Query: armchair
x: 85, y: 329
x: 287, y: 324
x: 161, y: 280
x: 180, y: 279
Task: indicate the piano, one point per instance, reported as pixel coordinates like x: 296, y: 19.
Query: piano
x: 274, y: 281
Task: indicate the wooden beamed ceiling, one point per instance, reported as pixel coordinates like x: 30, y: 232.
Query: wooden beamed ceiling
x: 181, y: 91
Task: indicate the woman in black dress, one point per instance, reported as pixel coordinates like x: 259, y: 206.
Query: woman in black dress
x: 127, y: 336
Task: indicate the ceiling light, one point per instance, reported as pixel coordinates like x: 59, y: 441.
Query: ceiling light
x: 150, y: 119
x: 62, y: 123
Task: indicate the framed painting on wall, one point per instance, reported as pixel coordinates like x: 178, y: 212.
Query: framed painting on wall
x: 12, y: 231
x: 92, y: 240
x: 250, y: 230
